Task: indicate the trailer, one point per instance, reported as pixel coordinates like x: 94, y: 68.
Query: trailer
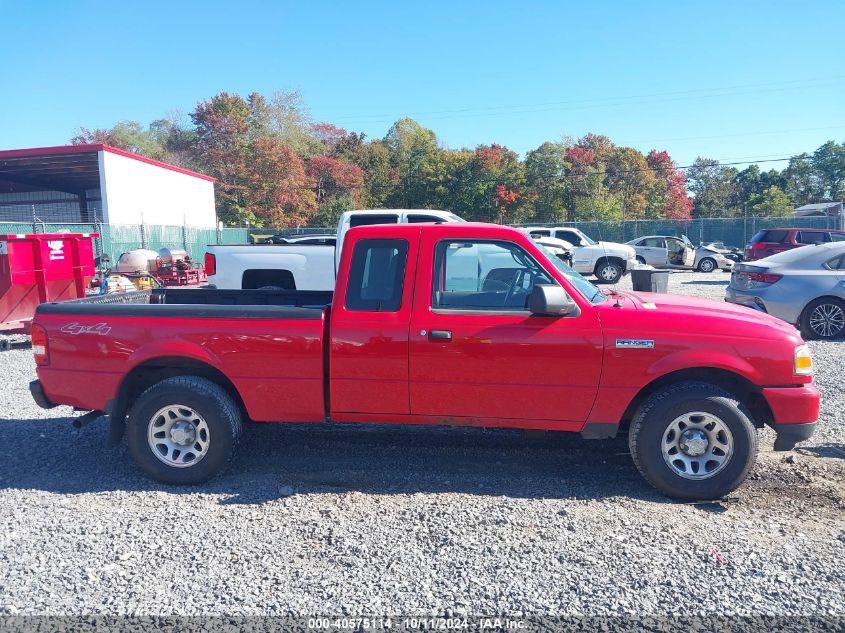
x: 38, y: 268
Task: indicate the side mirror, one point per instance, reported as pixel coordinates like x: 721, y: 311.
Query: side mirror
x: 551, y: 300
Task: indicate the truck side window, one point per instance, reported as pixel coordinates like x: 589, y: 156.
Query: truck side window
x: 417, y: 219
x: 376, y: 276
x: 569, y: 236
x: 479, y: 275
x: 375, y: 218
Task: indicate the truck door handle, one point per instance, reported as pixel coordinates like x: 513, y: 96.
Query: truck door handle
x: 439, y: 335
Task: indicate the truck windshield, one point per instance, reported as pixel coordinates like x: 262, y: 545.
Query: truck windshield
x: 590, y: 292
x: 590, y: 241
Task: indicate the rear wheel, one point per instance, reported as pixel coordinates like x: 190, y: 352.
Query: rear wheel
x: 823, y: 318
x: 184, y: 430
x: 608, y: 271
x: 693, y: 441
x: 707, y: 265
x: 641, y: 259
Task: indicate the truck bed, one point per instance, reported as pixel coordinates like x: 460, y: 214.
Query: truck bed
x: 234, y: 332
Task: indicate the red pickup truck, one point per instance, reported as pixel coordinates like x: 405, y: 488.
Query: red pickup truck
x: 452, y: 324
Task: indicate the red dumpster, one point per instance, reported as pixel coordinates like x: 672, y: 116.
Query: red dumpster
x: 40, y: 267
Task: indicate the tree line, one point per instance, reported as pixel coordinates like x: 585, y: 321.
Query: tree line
x: 276, y: 167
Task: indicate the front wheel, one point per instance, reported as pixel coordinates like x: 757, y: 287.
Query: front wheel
x: 608, y: 271
x: 823, y: 318
x: 184, y: 430
x: 707, y: 265
x: 693, y: 441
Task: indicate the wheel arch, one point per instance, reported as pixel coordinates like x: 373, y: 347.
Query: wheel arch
x: 731, y: 381
x: 610, y: 259
x: 697, y: 264
x: 801, y: 314
x: 152, y: 371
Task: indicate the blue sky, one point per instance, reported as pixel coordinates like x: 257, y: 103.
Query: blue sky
x: 728, y: 80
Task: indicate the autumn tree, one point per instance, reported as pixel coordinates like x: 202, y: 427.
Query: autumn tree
x: 547, y: 182
x: 712, y: 186
x: 222, y: 126
x: 332, y: 177
x: 130, y: 136
x: 479, y: 195
x: 284, y: 117
x: 800, y: 180
x: 828, y: 162
x: 276, y: 190
x: 629, y: 178
x: 411, y: 148
x: 670, y: 199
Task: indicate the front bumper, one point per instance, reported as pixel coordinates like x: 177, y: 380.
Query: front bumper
x: 794, y: 412
x: 38, y: 395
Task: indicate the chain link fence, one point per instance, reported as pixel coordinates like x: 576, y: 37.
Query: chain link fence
x: 733, y: 232
x: 116, y: 239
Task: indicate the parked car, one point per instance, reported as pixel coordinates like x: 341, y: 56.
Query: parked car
x: 665, y: 251
x: 734, y: 254
x: 803, y: 286
x: 299, y: 263
x: 770, y: 241
x: 455, y: 324
x: 710, y: 257
x: 608, y: 261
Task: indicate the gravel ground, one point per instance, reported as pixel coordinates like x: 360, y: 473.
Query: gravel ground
x: 412, y: 521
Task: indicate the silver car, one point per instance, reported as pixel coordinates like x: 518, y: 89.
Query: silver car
x: 803, y: 286
x: 663, y: 251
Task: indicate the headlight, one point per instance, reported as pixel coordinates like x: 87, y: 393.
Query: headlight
x: 803, y: 363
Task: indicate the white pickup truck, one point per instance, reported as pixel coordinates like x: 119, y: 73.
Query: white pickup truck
x: 300, y: 266
x: 608, y: 261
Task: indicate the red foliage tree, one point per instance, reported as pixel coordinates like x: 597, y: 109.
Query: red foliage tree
x: 332, y: 176
x: 329, y: 134
x: 277, y: 189
x: 676, y: 204
x: 580, y: 156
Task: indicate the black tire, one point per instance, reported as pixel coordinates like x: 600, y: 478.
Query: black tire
x: 608, y: 271
x: 707, y: 265
x: 823, y: 318
x: 216, y: 409
x: 641, y: 260
x: 650, y: 430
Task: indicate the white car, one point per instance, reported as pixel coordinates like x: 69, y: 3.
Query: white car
x: 608, y: 261
x: 666, y: 251
x: 300, y: 266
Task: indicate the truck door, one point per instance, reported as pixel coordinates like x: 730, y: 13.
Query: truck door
x: 679, y: 255
x: 368, y: 360
x: 655, y: 252
x: 477, y: 356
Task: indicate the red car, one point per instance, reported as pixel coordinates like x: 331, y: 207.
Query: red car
x: 770, y: 241
x: 451, y: 324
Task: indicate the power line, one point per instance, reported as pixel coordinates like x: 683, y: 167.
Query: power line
x: 615, y: 101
